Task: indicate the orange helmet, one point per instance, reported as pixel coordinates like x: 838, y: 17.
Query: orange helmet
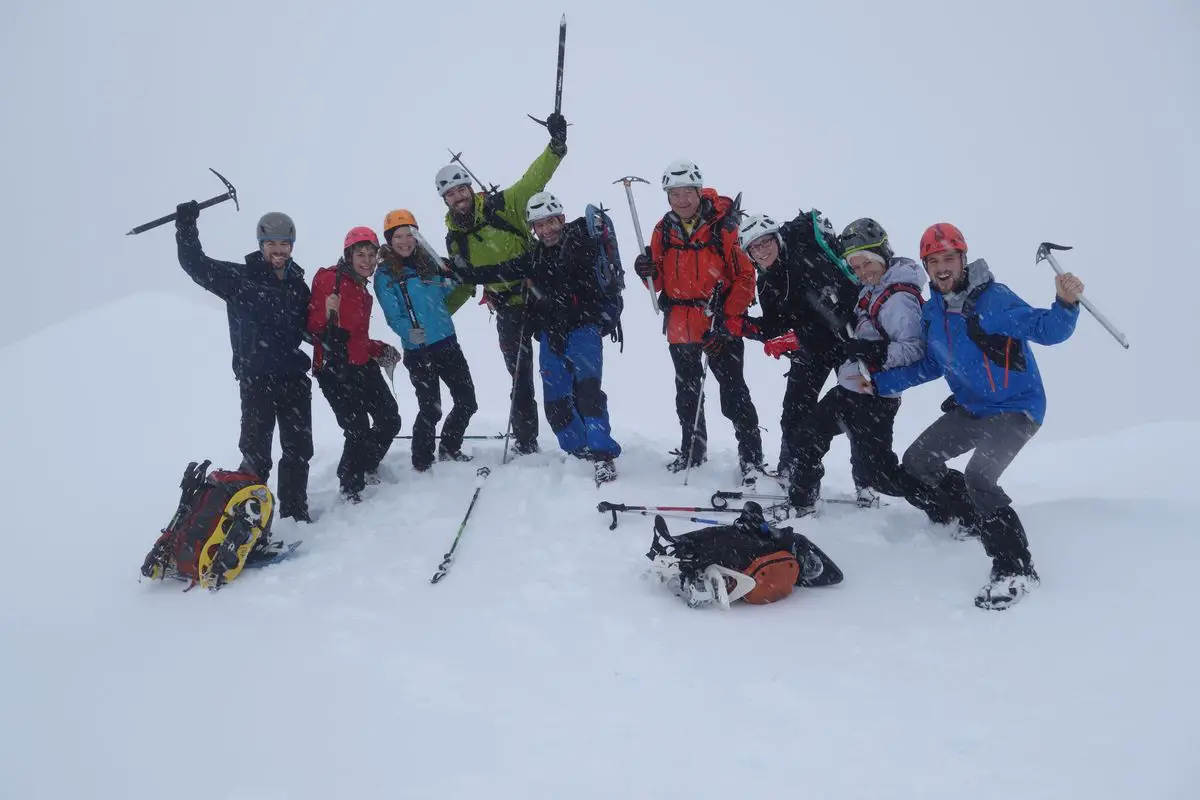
x: 942, y: 237
x: 394, y: 219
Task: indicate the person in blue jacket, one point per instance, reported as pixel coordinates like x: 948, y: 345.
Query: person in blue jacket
x: 267, y: 303
x: 412, y: 292
x: 978, y: 335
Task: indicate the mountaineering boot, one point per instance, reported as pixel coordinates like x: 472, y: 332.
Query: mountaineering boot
x: 606, y: 471
x: 1012, y: 575
x: 453, y: 455
x: 681, y: 462
x: 866, y: 497
x: 525, y: 448
x: 752, y: 471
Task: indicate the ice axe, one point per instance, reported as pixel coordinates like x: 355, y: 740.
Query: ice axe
x: 457, y: 159
x: 1044, y: 254
x: 562, y: 56
x: 231, y: 194
x: 628, y: 181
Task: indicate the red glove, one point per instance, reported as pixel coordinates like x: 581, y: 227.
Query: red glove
x: 782, y: 345
x: 741, y: 327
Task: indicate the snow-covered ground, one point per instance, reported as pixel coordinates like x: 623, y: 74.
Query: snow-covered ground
x: 545, y: 665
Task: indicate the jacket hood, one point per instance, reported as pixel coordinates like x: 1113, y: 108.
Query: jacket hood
x: 257, y: 259
x: 904, y: 270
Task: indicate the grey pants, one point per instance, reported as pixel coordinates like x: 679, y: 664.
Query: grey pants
x: 996, y: 441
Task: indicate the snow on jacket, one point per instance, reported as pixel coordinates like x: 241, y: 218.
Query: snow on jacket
x: 397, y: 282
x: 353, y: 317
x: 266, y: 313
x: 487, y: 245
x: 980, y: 386
x: 899, y: 316
x: 691, y: 263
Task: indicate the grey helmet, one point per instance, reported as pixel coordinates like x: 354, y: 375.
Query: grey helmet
x: 276, y: 226
x: 451, y: 176
x: 865, y: 235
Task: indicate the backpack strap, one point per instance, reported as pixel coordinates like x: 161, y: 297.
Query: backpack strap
x: 492, y: 218
x: 1003, y: 351
x: 412, y: 312
x: 872, y: 309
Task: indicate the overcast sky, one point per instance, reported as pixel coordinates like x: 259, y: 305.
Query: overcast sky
x: 1020, y: 121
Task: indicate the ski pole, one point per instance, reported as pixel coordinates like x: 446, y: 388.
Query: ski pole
x: 629, y: 180
x: 721, y: 499
x: 1044, y: 254
x: 512, y: 400
x: 230, y: 194
x: 562, y: 57
x: 480, y: 476
x: 713, y: 301
x: 477, y: 436
x: 613, y: 508
x: 700, y: 520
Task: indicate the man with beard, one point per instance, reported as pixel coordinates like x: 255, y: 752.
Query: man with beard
x: 486, y: 229
x: 565, y: 311
x: 977, y: 334
x: 266, y: 300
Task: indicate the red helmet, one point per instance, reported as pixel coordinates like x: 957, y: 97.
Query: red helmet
x: 359, y: 235
x: 942, y: 237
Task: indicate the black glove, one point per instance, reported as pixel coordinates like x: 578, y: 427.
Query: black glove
x: 644, y: 266
x: 557, y: 125
x: 871, y: 353
x: 949, y: 404
x: 714, y: 341
x: 187, y: 213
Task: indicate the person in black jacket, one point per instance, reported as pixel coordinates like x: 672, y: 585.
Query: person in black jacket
x: 267, y: 302
x: 807, y: 297
x: 564, y: 307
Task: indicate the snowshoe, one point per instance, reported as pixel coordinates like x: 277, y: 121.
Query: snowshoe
x: 816, y: 568
x: 270, y: 553
x: 453, y: 455
x: 1005, y: 590
x: 606, y: 472
x: 681, y: 462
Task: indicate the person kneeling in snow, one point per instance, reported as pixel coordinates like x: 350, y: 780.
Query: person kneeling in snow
x: 412, y: 292
x: 564, y: 307
x: 977, y: 335
x: 347, y: 362
x: 749, y: 560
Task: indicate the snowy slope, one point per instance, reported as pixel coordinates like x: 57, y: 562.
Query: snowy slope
x: 545, y: 665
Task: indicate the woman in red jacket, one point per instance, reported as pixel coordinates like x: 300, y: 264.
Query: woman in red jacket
x: 347, y: 362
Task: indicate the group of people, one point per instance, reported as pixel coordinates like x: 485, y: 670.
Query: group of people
x: 842, y: 304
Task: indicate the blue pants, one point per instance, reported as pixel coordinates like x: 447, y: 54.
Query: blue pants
x: 576, y: 408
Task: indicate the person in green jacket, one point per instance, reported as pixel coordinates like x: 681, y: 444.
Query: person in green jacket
x: 486, y: 229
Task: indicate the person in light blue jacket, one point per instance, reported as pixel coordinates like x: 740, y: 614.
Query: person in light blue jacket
x: 412, y: 292
x: 978, y: 335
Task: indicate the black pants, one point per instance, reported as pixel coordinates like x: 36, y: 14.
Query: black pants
x: 867, y: 420
x: 288, y: 399
x: 516, y: 336
x: 428, y: 368
x: 360, y: 397
x: 805, y: 378
x: 736, y: 405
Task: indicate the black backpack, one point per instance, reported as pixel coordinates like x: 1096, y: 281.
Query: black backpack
x: 610, y: 275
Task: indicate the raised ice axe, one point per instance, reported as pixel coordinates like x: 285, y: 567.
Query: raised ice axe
x: 562, y: 57
x: 231, y: 194
x: 628, y: 181
x: 1044, y: 254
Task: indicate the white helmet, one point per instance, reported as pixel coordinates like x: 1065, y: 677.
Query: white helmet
x: 542, y: 206
x: 451, y: 176
x: 682, y: 173
x: 756, y: 226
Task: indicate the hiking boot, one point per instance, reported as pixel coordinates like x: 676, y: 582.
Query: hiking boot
x: 299, y: 514
x: 352, y: 496
x: 525, y: 448
x: 455, y: 455
x: 1006, y: 588
x: 752, y: 471
x: 681, y: 462
x: 866, y: 497
x: 606, y: 471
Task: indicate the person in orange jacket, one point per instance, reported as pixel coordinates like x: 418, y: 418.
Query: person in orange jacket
x: 706, y: 282
x: 347, y: 362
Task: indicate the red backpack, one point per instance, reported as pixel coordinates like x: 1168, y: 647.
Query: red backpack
x: 221, y: 516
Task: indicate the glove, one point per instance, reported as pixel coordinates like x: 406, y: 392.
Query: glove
x: 741, y: 327
x: 782, y: 345
x: 459, y: 268
x: 416, y: 336
x: 752, y: 329
x: 714, y: 341
x: 187, y: 213
x: 949, y: 404
x: 871, y: 353
x: 644, y: 266
x: 557, y: 125
x: 389, y: 357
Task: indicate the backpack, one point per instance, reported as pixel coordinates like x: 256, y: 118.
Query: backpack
x: 220, y: 518
x: 610, y: 275
x: 872, y: 309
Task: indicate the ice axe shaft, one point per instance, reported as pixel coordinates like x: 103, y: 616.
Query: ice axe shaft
x: 562, y: 57
x: 1045, y: 253
x: 230, y: 194
x: 628, y: 181
x: 457, y: 159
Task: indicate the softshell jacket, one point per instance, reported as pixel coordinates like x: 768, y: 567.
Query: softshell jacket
x: 266, y: 313
x: 397, y: 283
x: 691, y: 264
x: 488, y: 245
x: 353, y: 318
x: 803, y: 279
x: 899, y: 316
x: 982, y: 386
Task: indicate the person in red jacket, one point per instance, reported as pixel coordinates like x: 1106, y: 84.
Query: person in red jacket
x: 347, y: 362
x: 694, y: 258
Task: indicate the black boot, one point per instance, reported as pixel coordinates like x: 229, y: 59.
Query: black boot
x: 1012, y: 575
